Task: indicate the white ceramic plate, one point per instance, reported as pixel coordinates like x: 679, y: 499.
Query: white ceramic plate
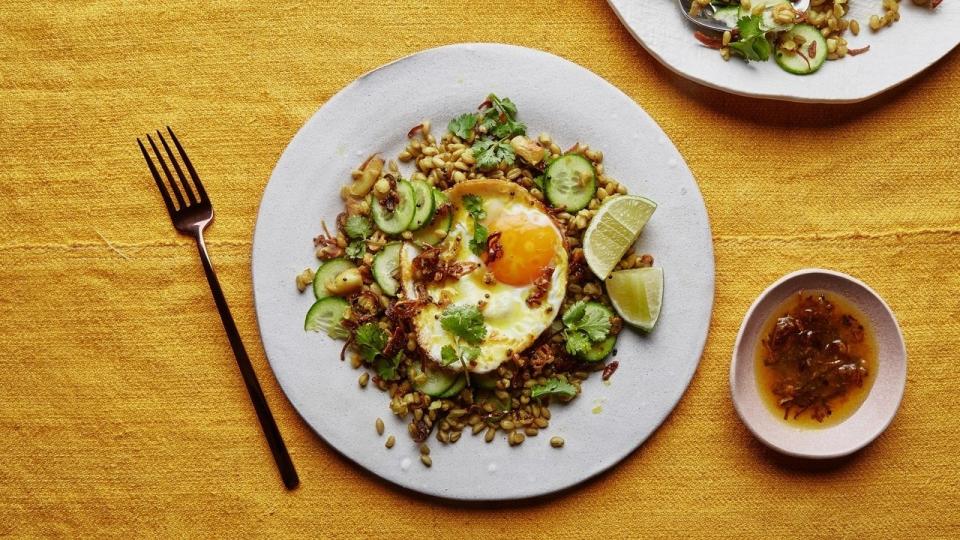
x: 897, y: 53
x: 874, y: 414
x: 373, y: 114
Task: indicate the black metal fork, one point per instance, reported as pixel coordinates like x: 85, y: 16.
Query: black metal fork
x: 191, y: 215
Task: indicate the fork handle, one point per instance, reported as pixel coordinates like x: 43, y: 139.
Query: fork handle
x: 267, y: 423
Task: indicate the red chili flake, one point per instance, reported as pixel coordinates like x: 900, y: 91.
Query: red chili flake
x: 610, y: 369
x: 854, y: 52
x: 935, y: 3
x: 709, y: 41
x: 485, y: 105
x: 812, y: 49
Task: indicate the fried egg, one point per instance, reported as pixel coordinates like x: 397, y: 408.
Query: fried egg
x: 531, y: 246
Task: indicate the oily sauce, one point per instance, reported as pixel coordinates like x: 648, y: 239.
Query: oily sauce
x: 816, y: 360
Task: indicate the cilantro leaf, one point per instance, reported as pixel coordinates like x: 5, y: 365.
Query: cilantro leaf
x: 574, y: 313
x: 358, y: 228
x: 464, y: 321
x: 356, y: 249
x: 508, y: 129
x: 448, y: 355
x: 753, y: 44
x: 462, y: 126
x: 592, y: 319
x: 478, y: 244
x: 577, y: 342
x: 490, y: 153
x: 370, y: 339
x: 503, y: 106
x: 386, y: 368
x: 474, y: 206
x: 554, y: 387
x: 469, y: 354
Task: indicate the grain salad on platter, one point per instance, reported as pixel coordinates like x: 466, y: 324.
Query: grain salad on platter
x: 487, y: 281
x: 799, y: 41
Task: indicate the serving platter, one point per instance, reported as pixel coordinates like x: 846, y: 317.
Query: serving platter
x: 897, y: 53
x: 372, y: 114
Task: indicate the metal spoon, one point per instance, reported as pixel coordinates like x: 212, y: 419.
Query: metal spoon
x: 706, y: 20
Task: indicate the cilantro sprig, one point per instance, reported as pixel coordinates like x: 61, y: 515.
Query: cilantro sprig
x: 585, y: 324
x: 474, y: 207
x: 371, y: 340
x: 465, y: 322
x: 490, y: 130
x: 462, y: 126
x: 753, y: 44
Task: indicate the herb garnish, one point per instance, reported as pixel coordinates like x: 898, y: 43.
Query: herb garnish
x: 553, y: 387
x: 462, y: 126
x: 753, y: 44
x: 474, y: 206
x: 465, y: 322
x: 358, y: 227
x: 584, y: 324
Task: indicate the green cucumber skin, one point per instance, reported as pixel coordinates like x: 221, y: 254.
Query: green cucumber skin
x: 428, y: 234
x: 422, y: 214
x: 600, y: 350
x: 810, y: 33
x: 570, y: 202
x: 383, y: 271
x: 437, y: 382
x: 455, y: 388
x: 400, y: 219
x: 314, y: 322
x: 326, y: 272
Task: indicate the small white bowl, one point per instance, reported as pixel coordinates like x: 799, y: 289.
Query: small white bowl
x: 881, y: 404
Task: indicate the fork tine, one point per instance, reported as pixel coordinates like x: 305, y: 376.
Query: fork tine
x: 156, y: 176
x: 186, y: 161
x: 176, y: 166
x: 163, y: 164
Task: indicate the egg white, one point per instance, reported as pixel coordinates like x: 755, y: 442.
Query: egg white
x: 512, y: 325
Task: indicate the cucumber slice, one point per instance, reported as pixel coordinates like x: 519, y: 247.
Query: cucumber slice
x: 397, y: 221
x: 802, y: 62
x: 435, y: 231
x: 728, y: 15
x: 455, y: 388
x: 571, y: 182
x: 326, y: 315
x: 438, y: 381
x: 487, y: 381
x: 385, y: 266
x: 326, y: 273
x: 424, y: 204
x: 600, y: 350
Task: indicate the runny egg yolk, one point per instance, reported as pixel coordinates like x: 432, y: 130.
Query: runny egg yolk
x: 528, y: 249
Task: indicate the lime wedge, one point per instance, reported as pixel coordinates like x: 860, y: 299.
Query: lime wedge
x: 613, y: 230
x: 636, y: 295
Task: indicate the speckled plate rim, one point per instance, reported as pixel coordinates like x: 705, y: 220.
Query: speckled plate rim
x: 661, y: 30
x: 640, y: 395
x: 874, y: 415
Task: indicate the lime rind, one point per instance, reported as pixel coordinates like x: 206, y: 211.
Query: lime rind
x: 613, y: 230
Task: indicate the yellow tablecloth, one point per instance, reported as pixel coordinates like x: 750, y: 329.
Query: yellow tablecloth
x: 121, y: 410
